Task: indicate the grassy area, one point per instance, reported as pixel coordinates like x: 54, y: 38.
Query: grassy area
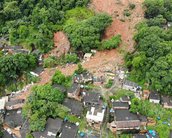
x: 120, y: 93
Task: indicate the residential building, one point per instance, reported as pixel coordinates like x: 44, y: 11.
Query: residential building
x: 125, y: 99
x: 124, y: 120
x: 171, y: 134
x: 166, y: 102
x: 91, y: 98
x: 24, y: 129
x: 52, y: 130
x: 69, y: 130
x: 13, y: 119
x: 3, y: 101
x: 96, y: 114
x: 131, y: 86
x: 14, y: 104
x: 143, y: 120
x: 75, y: 91
x: 154, y: 97
x: 75, y: 107
x: 60, y: 87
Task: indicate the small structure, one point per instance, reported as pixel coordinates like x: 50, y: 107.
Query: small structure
x: 74, y: 106
x: 95, y: 116
x: 131, y: 86
x: 145, y: 95
x: 139, y: 136
x: 75, y: 91
x: 52, y: 130
x: 166, y: 102
x: 14, y: 104
x: 13, y: 119
x: 124, y: 120
x: 87, y: 56
x: 83, y: 78
x: 3, y: 101
x: 69, y: 130
x: 154, y: 97
x: 91, y: 98
x: 120, y: 105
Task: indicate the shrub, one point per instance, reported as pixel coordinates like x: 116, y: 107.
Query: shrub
x: 49, y: 62
x: 127, y: 13
x: 111, y: 43
x: 132, y: 6
x: 109, y: 84
x: 71, y: 58
x: 80, y: 69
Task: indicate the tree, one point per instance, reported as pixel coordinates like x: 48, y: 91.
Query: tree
x: 80, y: 69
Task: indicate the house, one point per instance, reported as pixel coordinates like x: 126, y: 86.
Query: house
x: 120, y: 105
x: 69, y: 130
x: 95, y: 115
x: 87, y: 56
x: 91, y: 98
x: 83, y: 78
x: 74, y: 106
x: 14, y: 104
x: 131, y: 86
x: 166, y: 102
x: 13, y: 119
x: 154, y: 97
x: 124, y: 120
x: 139, y: 136
x: 75, y: 91
x: 52, y: 129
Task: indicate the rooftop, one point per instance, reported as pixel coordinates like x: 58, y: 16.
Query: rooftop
x: 125, y: 99
x: 24, y: 129
x: 73, y: 88
x: 140, y: 136
x: 13, y: 118
x: 69, y: 130
x: 118, y: 104
x: 125, y: 115
x: 154, y: 95
x: 130, y: 83
x: 75, y: 106
x: 6, y: 135
x: 53, y: 126
x: 91, y: 97
x: 166, y: 99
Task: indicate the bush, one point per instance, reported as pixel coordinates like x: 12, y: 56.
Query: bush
x: 109, y: 84
x: 127, y: 13
x: 132, y: 6
x: 111, y: 43
x: 71, y: 58
x: 49, y: 62
x: 28, y: 135
x: 80, y: 69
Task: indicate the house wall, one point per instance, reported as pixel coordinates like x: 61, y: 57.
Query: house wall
x: 154, y: 101
x: 130, y: 88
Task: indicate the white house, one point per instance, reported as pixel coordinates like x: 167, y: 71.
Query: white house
x: 131, y: 86
x: 95, y: 115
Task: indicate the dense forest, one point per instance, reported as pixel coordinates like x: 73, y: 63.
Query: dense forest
x: 152, y: 60
x: 31, y: 23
